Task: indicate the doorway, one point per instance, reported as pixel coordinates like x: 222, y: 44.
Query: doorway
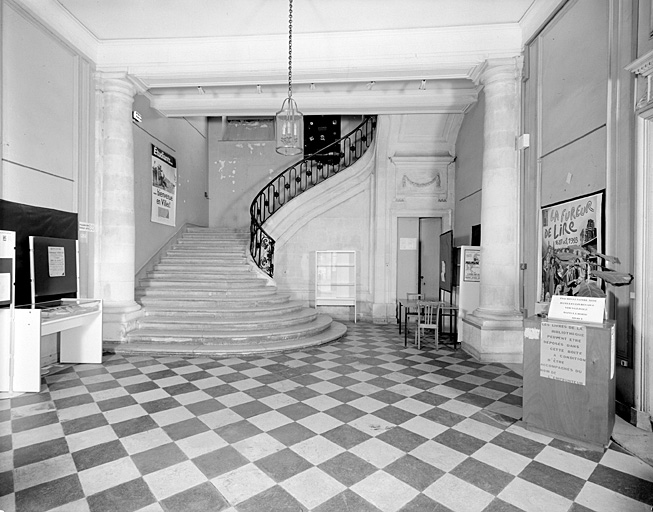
x: 418, y: 255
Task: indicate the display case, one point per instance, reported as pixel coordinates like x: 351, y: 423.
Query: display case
x: 335, y: 279
x: 79, y: 324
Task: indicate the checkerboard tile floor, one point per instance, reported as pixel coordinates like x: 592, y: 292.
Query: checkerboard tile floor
x: 359, y: 425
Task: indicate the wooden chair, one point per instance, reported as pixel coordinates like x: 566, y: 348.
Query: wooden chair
x: 410, y: 314
x: 428, y: 316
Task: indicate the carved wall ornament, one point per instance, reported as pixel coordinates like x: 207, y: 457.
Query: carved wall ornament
x: 436, y: 180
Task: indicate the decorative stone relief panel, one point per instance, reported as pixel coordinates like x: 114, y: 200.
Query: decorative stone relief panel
x: 422, y: 177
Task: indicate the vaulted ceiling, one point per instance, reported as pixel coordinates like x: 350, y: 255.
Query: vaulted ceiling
x: 230, y: 57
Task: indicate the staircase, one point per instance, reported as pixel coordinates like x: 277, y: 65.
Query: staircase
x: 205, y: 297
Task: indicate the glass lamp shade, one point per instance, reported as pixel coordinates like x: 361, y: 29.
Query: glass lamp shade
x: 289, y: 128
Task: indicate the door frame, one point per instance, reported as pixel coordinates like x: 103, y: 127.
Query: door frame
x: 446, y: 216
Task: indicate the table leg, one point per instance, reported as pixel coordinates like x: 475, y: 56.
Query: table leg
x: 406, y: 327
x: 399, y: 306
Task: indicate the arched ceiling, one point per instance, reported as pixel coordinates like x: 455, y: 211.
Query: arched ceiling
x: 230, y: 57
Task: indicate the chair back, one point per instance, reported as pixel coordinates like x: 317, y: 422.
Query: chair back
x: 414, y: 296
x: 428, y: 312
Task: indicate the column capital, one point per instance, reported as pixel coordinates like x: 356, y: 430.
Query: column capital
x: 503, y: 70
x: 114, y: 82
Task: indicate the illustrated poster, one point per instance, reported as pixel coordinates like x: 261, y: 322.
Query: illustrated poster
x: 572, y: 223
x: 164, y: 187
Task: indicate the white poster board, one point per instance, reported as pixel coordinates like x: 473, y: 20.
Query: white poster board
x: 469, y: 285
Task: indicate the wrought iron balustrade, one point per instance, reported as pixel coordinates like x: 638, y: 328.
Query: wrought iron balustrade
x: 299, y: 178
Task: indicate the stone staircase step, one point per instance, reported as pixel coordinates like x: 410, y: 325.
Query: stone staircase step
x: 204, y: 259
x: 219, y: 336
x: 223, y: 232
x: 193, y: 274
x: 335, y: 331
x: 229, y: 245
x: 225, y: 294
x: 208, y: 255
x: 212, y: 304
x: 225, y: 310
x: 248, y: 321
x: 214, y: 284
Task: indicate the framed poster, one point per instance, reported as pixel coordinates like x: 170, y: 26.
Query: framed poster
x: 164, y: 187
x: 573, y: 227
x: 472, y: 265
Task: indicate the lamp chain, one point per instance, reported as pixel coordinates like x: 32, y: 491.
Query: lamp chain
x: 290, y: 51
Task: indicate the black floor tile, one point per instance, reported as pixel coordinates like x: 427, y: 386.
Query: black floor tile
x: 99, y: 454
x: 203, y: 498
x: 134, y: 426
x: 482, y: 475
x: 48, y: 495
x: 219, y: 461
x: 413, y: 471
x: 283, y: 464
x: 275, y: 499
x: 127, y: 497
x: 40, y: 451
x: 158, y: 458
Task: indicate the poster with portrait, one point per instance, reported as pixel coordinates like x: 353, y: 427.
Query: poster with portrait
x: 572, y: 227
x: 472, y: 269
x: 164, y: 187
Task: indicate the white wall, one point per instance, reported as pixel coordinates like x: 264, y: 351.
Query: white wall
x: 186, y: 140
x: 42, y: 124
x: 47, y: 132
x: 238, y: 170
x: 469, y: 173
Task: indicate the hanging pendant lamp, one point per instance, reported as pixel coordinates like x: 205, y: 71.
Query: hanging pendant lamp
x: 289, y: 121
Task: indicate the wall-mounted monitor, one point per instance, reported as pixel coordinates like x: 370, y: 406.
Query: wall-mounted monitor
x: 53, y: 268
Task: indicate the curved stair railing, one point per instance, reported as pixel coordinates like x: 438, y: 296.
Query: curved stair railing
x: 299, y: 178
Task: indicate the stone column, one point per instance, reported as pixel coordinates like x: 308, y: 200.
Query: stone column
x: 115, y: 162
x: 494, y: 331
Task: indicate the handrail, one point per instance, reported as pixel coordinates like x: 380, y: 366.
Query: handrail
x: 299, y: 178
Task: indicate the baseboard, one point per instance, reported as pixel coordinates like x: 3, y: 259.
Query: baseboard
x: 635, y: 417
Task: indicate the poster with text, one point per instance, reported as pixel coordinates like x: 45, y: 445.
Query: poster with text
x: 573, y: 226
x: 164, y: 187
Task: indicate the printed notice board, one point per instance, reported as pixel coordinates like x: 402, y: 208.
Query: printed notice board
x: 563, y: 352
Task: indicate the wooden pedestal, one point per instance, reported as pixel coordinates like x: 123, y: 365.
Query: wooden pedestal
x: 567, y: 410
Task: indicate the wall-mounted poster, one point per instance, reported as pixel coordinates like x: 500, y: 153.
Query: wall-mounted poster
x: 164, y: 187
x: 572, y: 227
x: 472, y: 262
